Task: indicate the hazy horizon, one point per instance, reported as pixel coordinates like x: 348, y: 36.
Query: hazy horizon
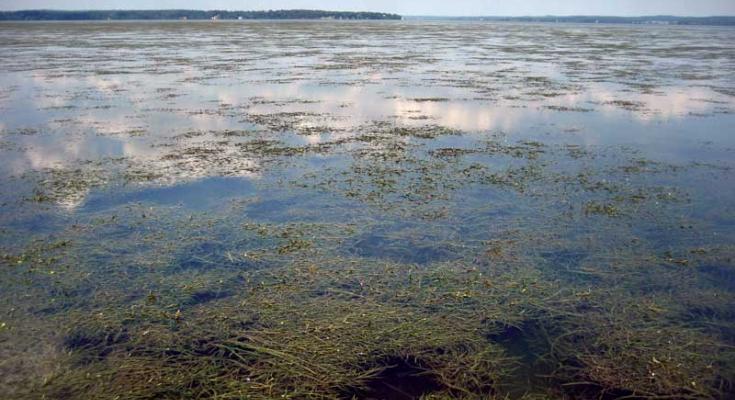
x: 469, y: 8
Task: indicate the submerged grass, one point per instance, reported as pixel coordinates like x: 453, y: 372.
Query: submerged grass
x: 320, y: 324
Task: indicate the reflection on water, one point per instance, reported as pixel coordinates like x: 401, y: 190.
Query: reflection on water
x: 320, y: 210
x: 197, y: 195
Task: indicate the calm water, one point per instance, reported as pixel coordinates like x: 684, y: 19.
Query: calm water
x: 385, y: 210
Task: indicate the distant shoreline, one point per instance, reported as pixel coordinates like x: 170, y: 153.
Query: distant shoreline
x: 123, y: 15
x: 198, y: 15
x: 594, y: 19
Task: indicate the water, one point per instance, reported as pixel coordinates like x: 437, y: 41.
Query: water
x: 322, y: 210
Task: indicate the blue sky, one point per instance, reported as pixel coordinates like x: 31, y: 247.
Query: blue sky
x: 414, y: 7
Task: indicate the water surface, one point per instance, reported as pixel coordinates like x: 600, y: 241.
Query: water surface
x: 371, y: 209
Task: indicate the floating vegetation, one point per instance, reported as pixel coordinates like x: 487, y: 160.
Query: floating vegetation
x: 627, y: 104
x: 568, y: 109
x: 429, y: 99
x: 609, y: 210
x: 279, y: 122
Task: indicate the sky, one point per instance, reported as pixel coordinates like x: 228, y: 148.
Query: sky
x: 413, y: 7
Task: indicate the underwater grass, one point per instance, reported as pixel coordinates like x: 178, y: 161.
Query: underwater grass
x: 322, y: 325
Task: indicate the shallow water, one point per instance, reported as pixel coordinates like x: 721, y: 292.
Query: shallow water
x: 326, y: 210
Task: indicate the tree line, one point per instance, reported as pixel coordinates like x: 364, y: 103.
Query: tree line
x: 58, y: 15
